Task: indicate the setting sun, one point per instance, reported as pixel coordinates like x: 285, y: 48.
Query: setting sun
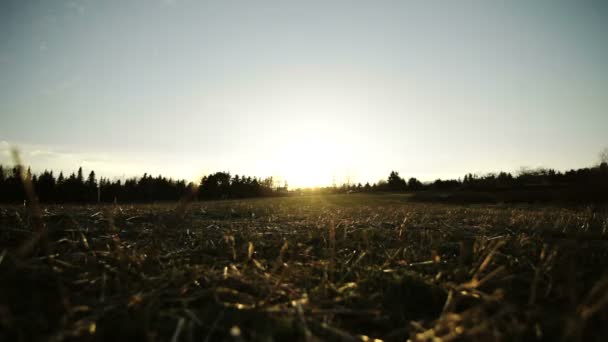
x: 307, y: 162
x: 307, y: 158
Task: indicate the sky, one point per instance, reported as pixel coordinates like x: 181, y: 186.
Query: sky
x: 310, y: 92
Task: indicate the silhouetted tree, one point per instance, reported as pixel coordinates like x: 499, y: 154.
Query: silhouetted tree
x: 91, y: 187
x: 215, y: 186
x: 14, y: 186
x: 395, y: 183
x: 45, y: 187
x: 80, y: 176
x: 414, y: 184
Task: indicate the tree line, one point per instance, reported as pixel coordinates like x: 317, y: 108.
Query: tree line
x: 541, y: 178
x: 529, y: 184
x: 76, y: 188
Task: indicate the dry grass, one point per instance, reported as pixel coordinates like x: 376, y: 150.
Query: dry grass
x: 349, y: 267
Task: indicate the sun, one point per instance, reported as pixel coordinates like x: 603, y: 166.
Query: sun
x: 309, y: 158
x: 306, y: 165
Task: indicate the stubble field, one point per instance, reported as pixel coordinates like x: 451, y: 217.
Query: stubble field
x: 337, y: 267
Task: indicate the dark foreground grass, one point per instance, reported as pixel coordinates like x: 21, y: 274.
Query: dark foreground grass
x: 344, y: 268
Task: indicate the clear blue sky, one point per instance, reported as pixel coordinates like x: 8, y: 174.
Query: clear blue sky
x: 304, y: 90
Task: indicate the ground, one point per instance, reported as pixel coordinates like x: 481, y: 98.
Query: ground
x: 337, y: 267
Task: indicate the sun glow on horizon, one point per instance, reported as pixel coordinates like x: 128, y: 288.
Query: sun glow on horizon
x: 313, y: 142
x: 312, y: 157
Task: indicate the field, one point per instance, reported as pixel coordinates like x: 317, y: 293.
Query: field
x: 336, y: 267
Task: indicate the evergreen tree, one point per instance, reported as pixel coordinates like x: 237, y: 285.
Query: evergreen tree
x: 91, y: 186
x: 80, y: 177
